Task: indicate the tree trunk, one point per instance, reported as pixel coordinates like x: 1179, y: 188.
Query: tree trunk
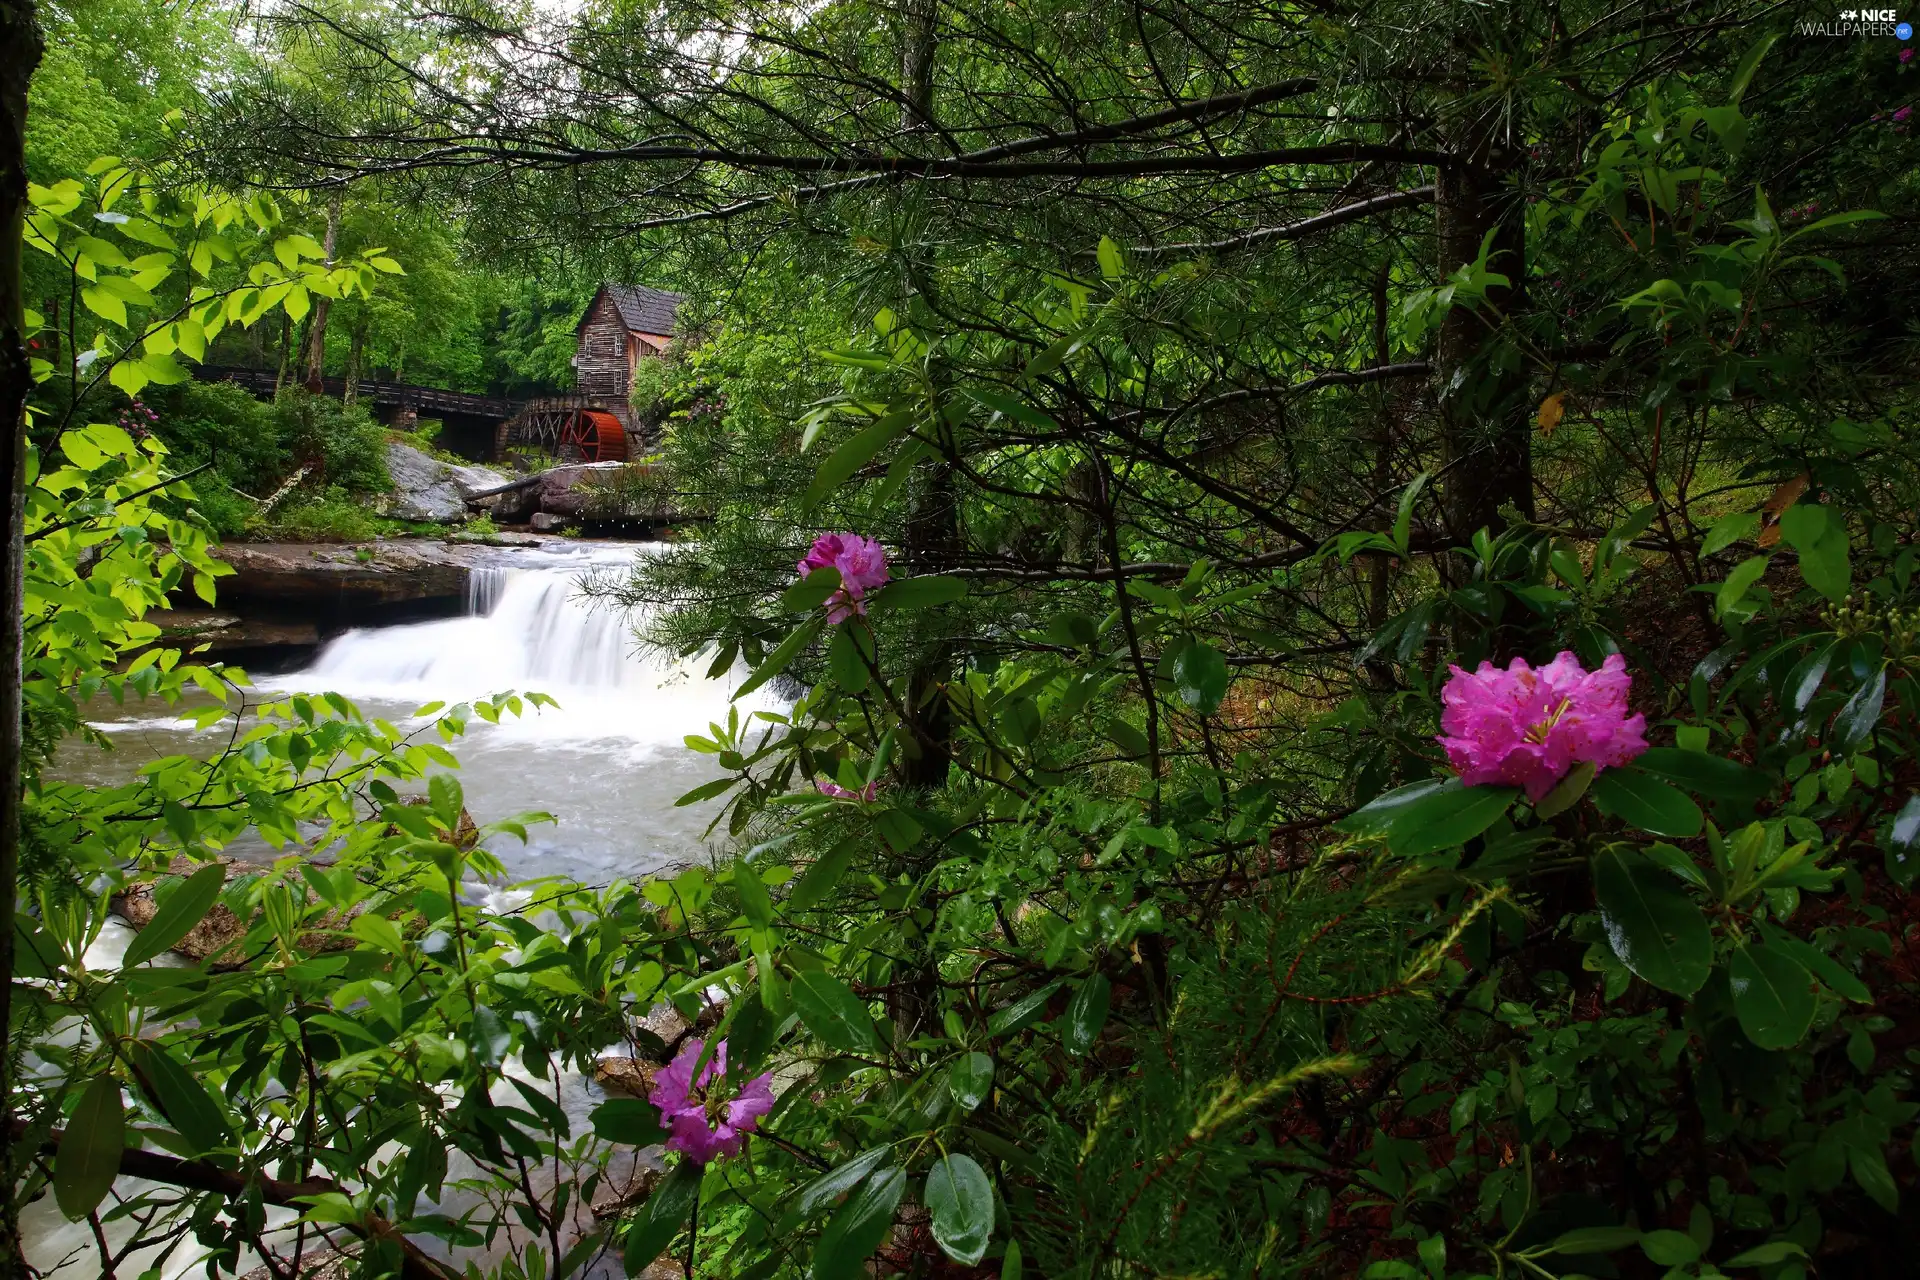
x: 355, y: 353
x: 20, y: 49
x: 932, y: 519
x: 1487, y: 439
x: 286, y: 350
x: 317, y: 330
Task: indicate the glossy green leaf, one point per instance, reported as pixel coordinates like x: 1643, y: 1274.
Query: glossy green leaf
x: 1594, y: 1240
x: 854, y: 453
x: 666, y: 1210
x: 918, y: 593
x: 88, y: 1158
x: 1870, y: 1173
x: 1086, y: 1014
x: 960, y: 1200
x: 1715, y: 777
x: 969, y: 1079
x: 850, y: 658
x: 1022, y: 1013
x: 1378, y: 816
x: 1735, y: 587
x: 1730, y: 529
x: 1200, y: 676
x: 1132, y: 743
x: 180, y: 910
x: 1773, y: 996
x: 1819, y: 534
x: 489, y: 1036
x: 1653, y: 927
x: 1765, y: 1255
x: 785, y: 652
x: 1646, y: 803
x: 1858, y: 716
x: 833, y: 1013
x: 1669, y: 1248
x: 179, y: 1095
x: 628, y: 1121
x: 819, y: 879
x: 1450, y: 816
x: 858, y: 1228
x: 1902, y: 844
x: 754, y: 899
x: 1567, y: 792
x: 819, y: 1195
x: 810, y: 592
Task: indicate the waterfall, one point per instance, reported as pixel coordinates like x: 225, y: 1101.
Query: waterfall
x: 530, y: 629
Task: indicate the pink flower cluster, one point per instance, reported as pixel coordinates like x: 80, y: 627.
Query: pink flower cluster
x: 703, y: 1126
x: 138, y: 421
x: 1526, y: 728
x: 839, y: 792
x: 862, y: 564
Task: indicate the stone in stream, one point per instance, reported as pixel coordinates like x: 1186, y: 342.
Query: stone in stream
x: 630, y: 1076
x: 425, y: 488
x: 665, y: 1026
x: 321, y: 1261
x: 220, y: 928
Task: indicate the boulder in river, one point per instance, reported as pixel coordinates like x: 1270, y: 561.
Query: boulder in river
x: 425, y: 488
x: 551, y: 491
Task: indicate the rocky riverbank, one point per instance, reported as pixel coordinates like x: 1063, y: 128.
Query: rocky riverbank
x: 285, y: 599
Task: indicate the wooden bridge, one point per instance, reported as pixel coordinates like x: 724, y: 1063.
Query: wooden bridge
x: 572, y: 427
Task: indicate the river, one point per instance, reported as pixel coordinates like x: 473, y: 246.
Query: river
x: 608, y: 764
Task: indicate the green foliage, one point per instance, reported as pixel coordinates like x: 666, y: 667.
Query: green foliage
x: 1141, y: 924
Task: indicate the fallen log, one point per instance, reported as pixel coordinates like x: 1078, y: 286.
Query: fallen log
x: 511, y: 486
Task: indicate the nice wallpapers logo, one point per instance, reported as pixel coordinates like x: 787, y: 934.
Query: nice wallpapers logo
x: 1859, y: 22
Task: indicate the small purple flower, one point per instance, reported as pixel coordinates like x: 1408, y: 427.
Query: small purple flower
x: 1900, y: 116
x: 839, y: 792
x: 1906, y: 56
x: 861, y: 562
x: 704, y: 1125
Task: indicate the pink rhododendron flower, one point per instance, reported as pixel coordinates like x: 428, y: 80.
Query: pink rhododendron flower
x: 1526, y: 728
x: 1900, y: 116
x: 862, y: 563
x: 702, y: 1124
x: 839, y: 792
x: 1906, y: 55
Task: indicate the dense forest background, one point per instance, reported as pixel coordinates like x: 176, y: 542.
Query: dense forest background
x: 1330, y: 589
x: 118, y: 79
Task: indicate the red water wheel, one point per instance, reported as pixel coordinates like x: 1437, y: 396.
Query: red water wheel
x: 593, y: 435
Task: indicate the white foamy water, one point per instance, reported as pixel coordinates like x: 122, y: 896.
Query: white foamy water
x: 530, y: 628
x: 608, y: 763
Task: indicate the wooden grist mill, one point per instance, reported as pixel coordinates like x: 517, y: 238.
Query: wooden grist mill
x: 623, y: 325
x: 592, y: 435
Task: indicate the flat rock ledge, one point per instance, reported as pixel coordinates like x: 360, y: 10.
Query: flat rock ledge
x: 391, y: 571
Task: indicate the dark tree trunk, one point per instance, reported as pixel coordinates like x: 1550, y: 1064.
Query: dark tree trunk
x: 933, y: 519
x: 317, y: 330
x: 1487, y: 437
x: 356, y: 352
x: 20, y: 50
x: 286, y: 352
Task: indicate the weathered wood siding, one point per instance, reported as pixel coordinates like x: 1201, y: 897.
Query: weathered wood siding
x: 603, y: 363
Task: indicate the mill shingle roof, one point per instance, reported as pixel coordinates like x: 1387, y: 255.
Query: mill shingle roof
x: 644, y: 310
